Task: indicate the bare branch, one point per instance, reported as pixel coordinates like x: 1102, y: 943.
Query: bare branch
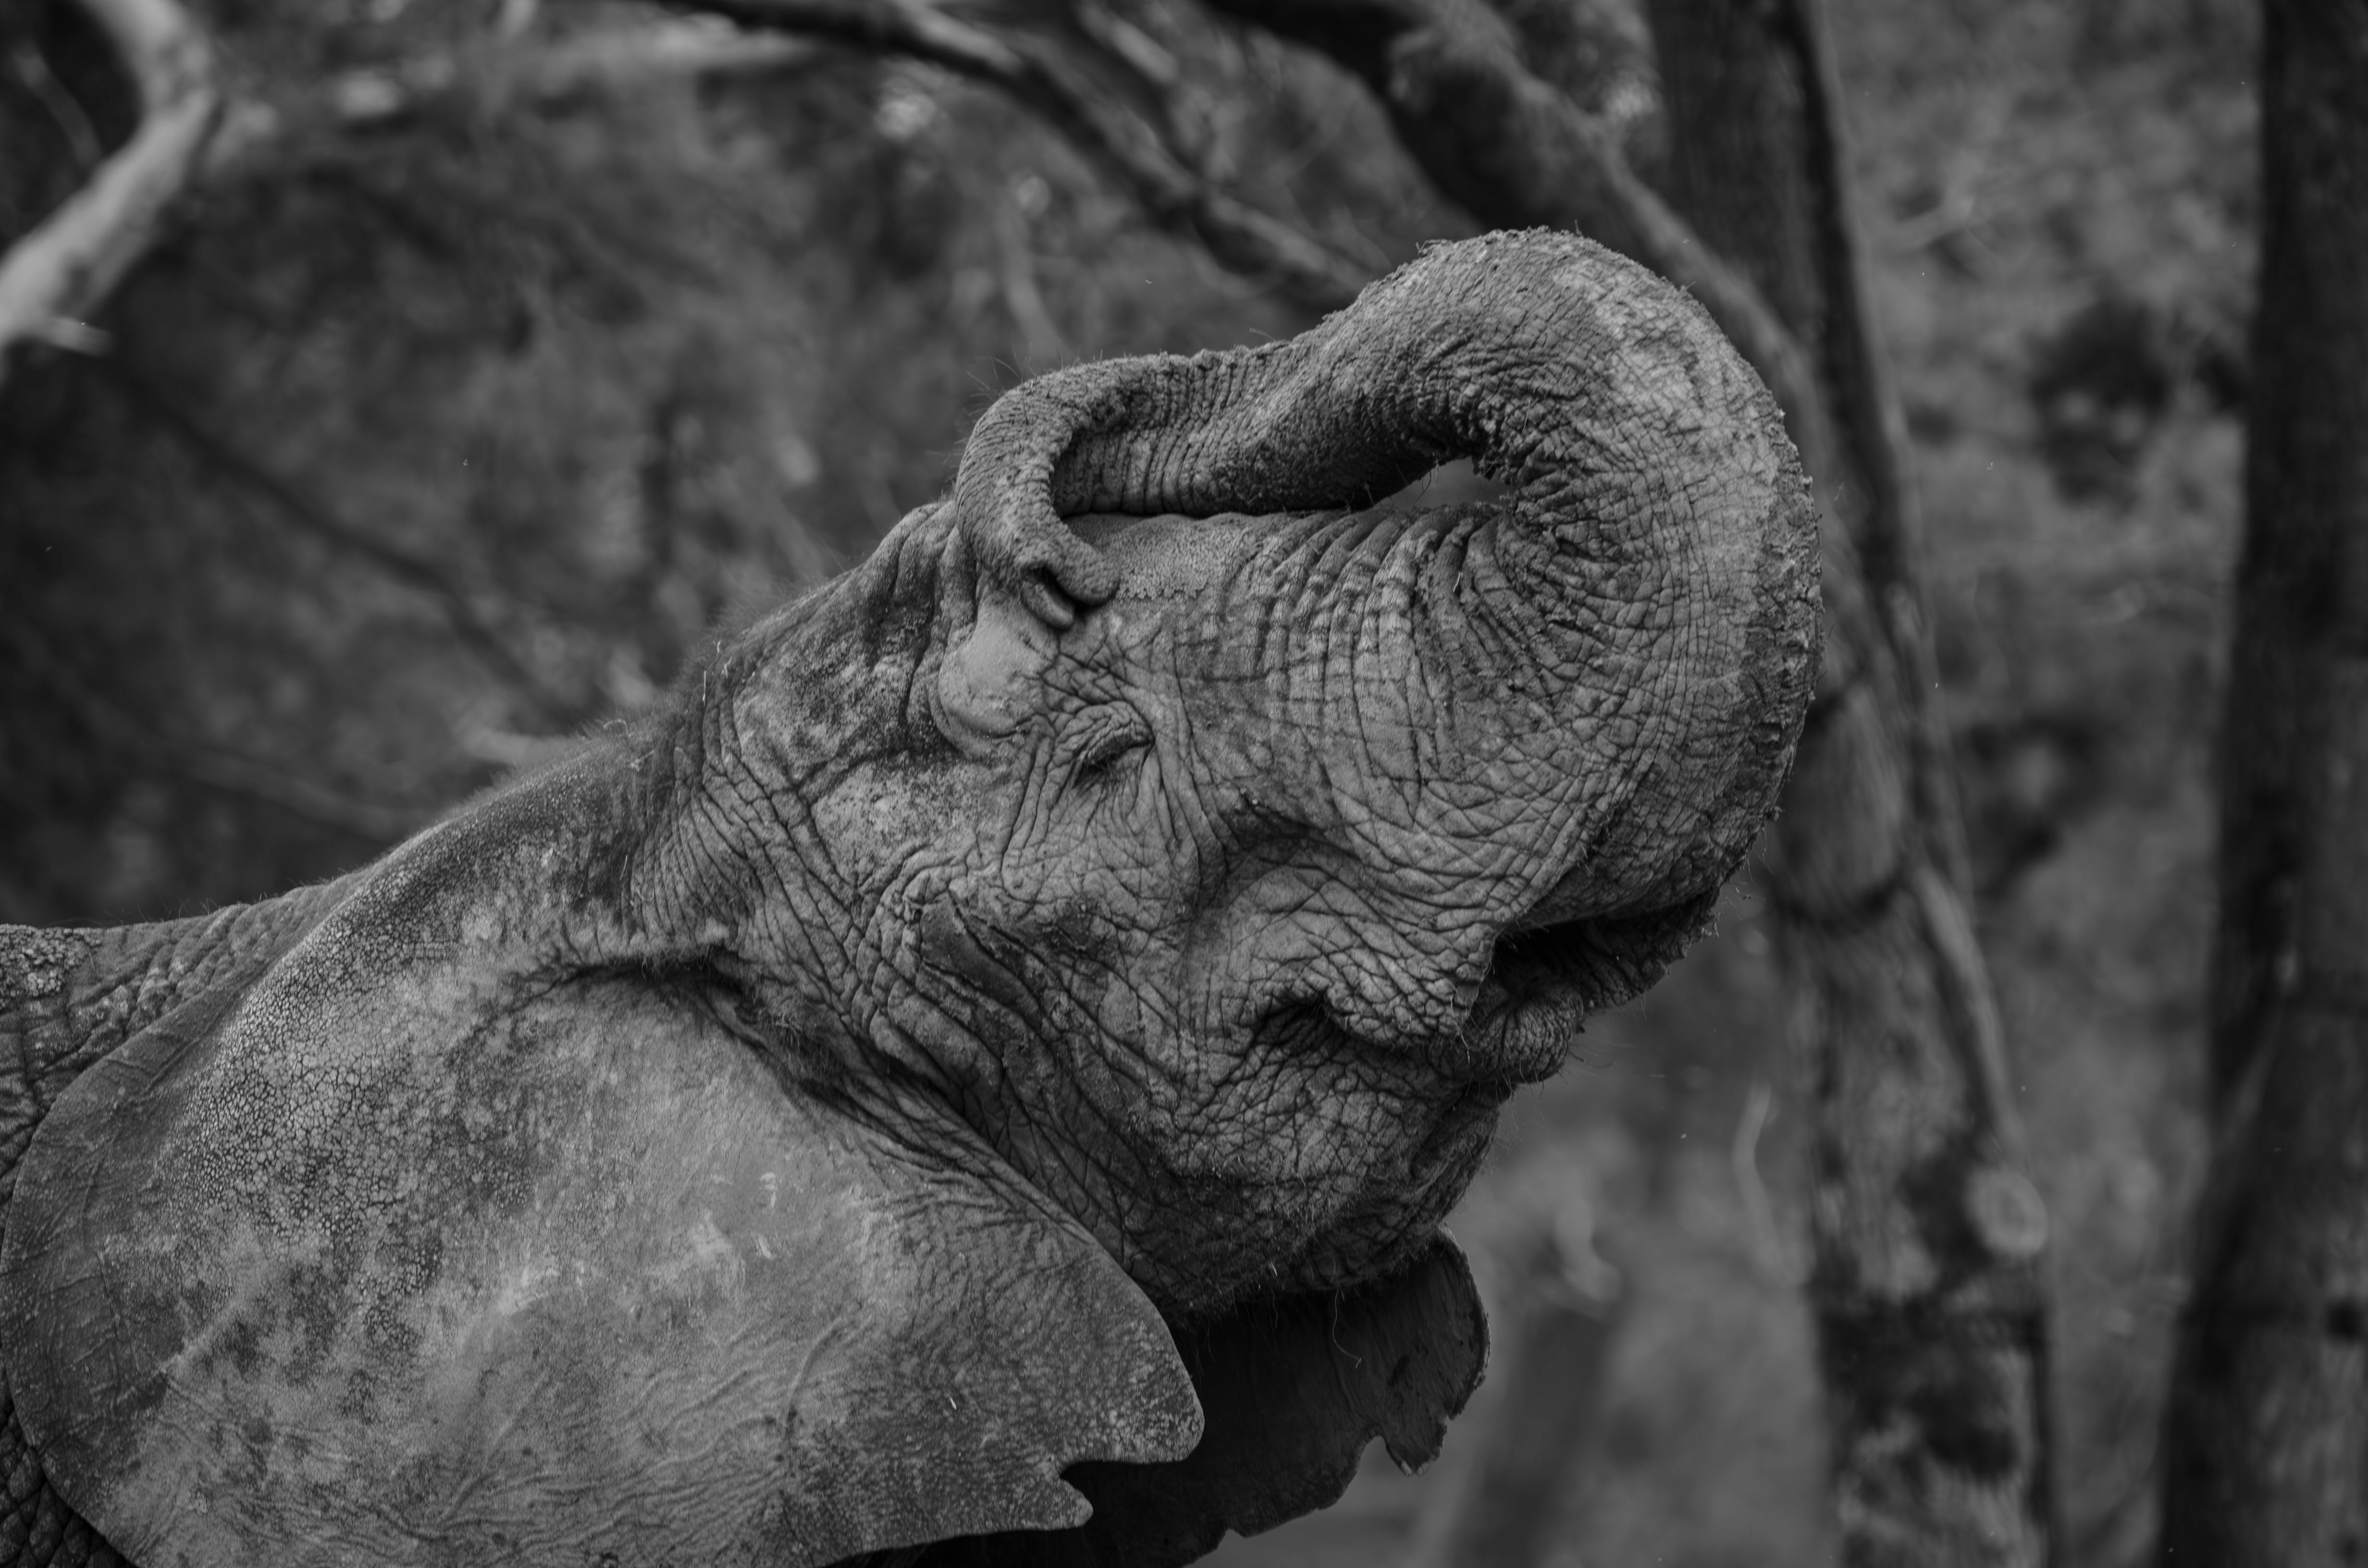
x: 63, y: 270
x: 192, y: 137
x: 1123, y: 41
x: 82, y: 137
x: 1185, y: 121
x: 1239, y: 236
x: 512, y: 75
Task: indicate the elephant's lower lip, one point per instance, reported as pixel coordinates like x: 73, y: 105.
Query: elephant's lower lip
x: 1525, y: 1037
x: 1534, y: 1000
x: 1531, y: 1006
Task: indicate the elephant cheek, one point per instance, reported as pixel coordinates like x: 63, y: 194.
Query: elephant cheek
x: 953, y: 951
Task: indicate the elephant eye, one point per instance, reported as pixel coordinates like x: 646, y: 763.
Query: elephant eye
x: 1107, y: 733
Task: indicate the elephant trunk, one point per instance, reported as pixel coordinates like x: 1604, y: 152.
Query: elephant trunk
x: 1574, y: 703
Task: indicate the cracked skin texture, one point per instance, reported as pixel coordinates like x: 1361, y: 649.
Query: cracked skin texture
x: 976, y: 1078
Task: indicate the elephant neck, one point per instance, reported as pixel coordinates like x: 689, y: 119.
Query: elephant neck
x: 574, y: 868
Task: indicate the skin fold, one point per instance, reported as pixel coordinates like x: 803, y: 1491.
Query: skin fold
x: 808, y: 1126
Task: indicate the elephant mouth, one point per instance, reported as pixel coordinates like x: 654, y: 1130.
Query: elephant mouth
x: 1533, y: 1000
x: 1545, y: 977
x: 1530, y: 1004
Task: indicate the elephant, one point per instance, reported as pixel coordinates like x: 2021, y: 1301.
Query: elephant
x: 976, y: 1074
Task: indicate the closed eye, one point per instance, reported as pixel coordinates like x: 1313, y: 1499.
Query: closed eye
x: 1108, y: 733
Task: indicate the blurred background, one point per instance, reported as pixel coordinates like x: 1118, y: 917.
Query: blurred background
x: 424, y: 448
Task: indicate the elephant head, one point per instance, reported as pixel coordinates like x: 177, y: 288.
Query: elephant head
x: 807, y: 1124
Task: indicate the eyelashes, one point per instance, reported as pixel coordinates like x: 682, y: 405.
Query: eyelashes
x: 1108, y: 734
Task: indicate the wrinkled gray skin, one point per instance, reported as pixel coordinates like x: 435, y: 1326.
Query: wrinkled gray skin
x: 1179, y: 873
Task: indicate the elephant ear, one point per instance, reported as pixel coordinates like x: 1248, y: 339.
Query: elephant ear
x: 577, y: 1281
x: 1293, y: 1389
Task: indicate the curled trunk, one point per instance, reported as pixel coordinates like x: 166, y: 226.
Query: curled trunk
x: 1586, y: 691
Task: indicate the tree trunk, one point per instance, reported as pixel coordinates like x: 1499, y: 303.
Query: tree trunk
x: 1927, y: 1290
x: 2266, y: 1449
